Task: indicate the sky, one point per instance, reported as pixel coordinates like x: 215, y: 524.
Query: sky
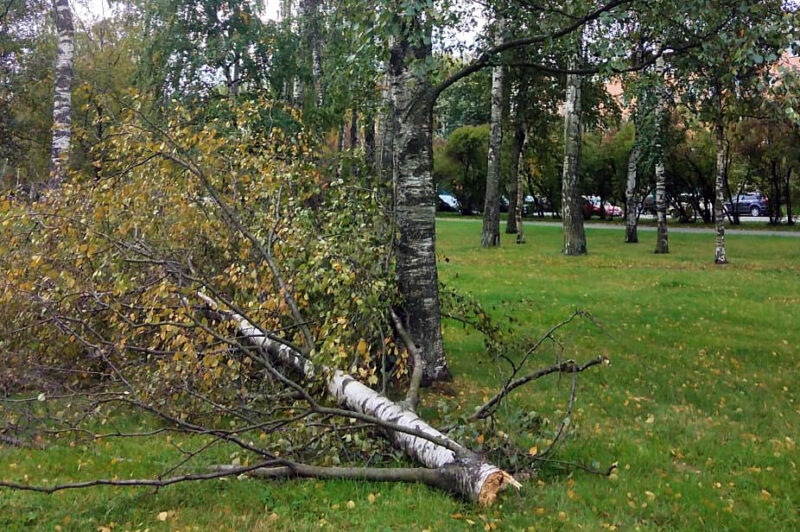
x: 90, y: 10
x: 95, y: 9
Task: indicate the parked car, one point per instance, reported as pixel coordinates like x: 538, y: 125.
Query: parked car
x: 532, y: 205
x: 448, y: 203
x: 503, y: 204
x: 752, y: 203
x: 595, y: 208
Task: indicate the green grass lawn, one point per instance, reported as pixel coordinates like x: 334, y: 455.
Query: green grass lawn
x: 699, y: 406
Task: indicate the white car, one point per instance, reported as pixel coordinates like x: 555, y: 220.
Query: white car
x: 448, y: 203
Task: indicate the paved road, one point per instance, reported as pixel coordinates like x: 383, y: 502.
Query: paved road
x: 672, y: 229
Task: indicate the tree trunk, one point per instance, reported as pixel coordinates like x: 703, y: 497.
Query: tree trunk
x: 720, y: 256
x: 354, y: 128
x: 316, y: 50
x: 491, y: 209
x: 775, y: 204
x: 519, y: 198
x: 286, y: 10
x: 788, y: 193
x: 415, y: 209
x: 516, y: 190
x: 631, y: 198
x: 62, y: 94
x: 662, y: 236
x: 386, y: 136
x: 574, y: 235
x: 369, y: 139
x: 466, y: 472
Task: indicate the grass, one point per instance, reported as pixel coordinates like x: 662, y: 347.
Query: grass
x: 699, y: 407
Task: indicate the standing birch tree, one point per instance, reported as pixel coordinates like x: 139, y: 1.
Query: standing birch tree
x: 574, y: 234
x: 662, y: 236
x: 62, y: 93
x: 491, y: 210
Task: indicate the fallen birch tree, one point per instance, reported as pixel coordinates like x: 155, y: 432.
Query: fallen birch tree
x: 457, y: 468
x: 296, y: 315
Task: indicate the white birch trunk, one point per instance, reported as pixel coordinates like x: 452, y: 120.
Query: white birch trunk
x: 574, y: 235
x: 720, y: 255
x: 316, y: 54
x: 662, y: 236
x: 466, y: 473
x: 62, y: 94
x: 415, y: 202
x: 631, y: 198
x: 490, y: 236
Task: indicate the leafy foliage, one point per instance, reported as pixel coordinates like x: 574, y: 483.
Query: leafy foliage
x: 103, y: 274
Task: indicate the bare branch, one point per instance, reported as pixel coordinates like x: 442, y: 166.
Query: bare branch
x: 136, y: 482
x: 412, y: 395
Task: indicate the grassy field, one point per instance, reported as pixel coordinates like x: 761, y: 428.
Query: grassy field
x: 699, y: 406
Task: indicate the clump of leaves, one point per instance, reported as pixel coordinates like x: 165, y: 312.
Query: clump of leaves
x: 100, y: 278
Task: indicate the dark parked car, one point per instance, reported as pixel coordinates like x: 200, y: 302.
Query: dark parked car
x: 752, y: 203
x: 533, y: 205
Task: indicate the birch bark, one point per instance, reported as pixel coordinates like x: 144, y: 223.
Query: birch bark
x: 631, y: 198
x: 720, y: 255
x: 415, y: 207
x: 62, y: 94
x: 662, y: 236
x: 491, y: 210
x: 462, y: 470
x: 574, y: 235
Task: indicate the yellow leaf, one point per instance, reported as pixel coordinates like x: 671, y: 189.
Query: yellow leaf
x: 362, y: 347
x: 533, y: 450
x: 480, y: 438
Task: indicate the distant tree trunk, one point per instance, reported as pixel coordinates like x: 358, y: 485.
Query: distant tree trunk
x: 309, y: 53
x: 415, y: 209
x: 720, y: 256
x: 788, y: 194
x: 235, y: 82
x: 340, y: 138
x: 62, y: 94
x: 574, y: 235
x: 774, y: 206
x: 662, y: 236
x: 516, y: 187
x: 369, y: 139
x: 285, y: 15
x: 353, y: 128
x: 286, y: 10
x: 316, y: 50
x: 519, y: 171
x: 631, y: 198
x: 491, y: 211
x: 386, y: 135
